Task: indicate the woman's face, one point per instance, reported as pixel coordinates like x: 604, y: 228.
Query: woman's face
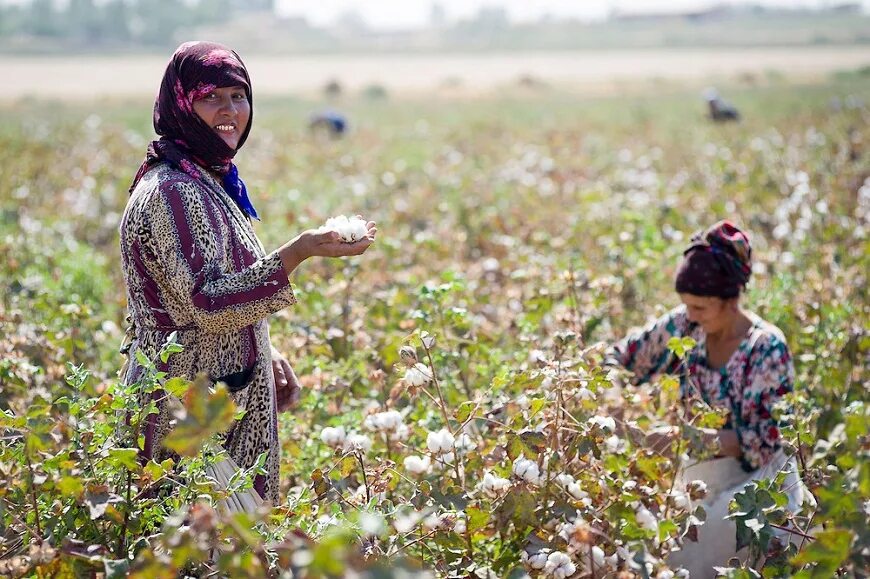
x: 227, y: 111
x: 711, y: 313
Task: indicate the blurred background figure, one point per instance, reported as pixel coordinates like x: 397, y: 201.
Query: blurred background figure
x: 328, y: 124
x: 720, y: 111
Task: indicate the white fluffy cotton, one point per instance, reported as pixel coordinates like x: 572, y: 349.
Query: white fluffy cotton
x: 350, y: 229
x: 333, y: 436
x: 559, y: 565
x: 418, y: 375
x: 416, y: 464
x: 527, y: 470
x: 440, y: 442
x: 493, y: 485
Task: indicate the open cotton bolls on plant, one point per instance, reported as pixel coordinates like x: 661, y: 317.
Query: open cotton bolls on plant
x: 351, y: 229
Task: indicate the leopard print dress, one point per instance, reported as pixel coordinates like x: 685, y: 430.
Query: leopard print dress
x: 193, y: 265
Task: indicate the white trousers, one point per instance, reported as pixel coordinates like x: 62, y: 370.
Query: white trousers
x: 717, y: 542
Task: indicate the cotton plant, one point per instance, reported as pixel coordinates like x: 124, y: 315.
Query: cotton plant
x: 417, y: 464
x: 417, y: 375
x: 357, y: 442
x: 334, y: 437
x: 536, y: 560
x: 559, y: 565
x: 527, y: 470
x: 441, y: 442
x: 390, y: 424
x: 567, y: 483
x: 606, y: 423
x: 645, y: 519
x: 494, y: 486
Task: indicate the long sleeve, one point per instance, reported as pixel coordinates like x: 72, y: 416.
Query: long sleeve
x: 769, y: 377
x: 645, y: 352
x: 189, y: 237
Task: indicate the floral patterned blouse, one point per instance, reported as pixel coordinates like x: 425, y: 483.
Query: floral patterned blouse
x: 758, y: 373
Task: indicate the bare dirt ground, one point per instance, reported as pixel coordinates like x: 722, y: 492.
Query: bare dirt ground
x: 85, y: 77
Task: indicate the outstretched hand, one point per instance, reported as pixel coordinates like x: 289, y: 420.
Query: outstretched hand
x: 318, y: 243
x: 329, y: 243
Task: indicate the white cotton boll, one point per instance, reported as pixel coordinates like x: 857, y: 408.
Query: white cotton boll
x: 524, y: 402
x: 432, y: 522
x: 665, y: 574
x: 646, y: 519
x: 383, y: 421
x: 681, y: 500
x: 536, y: 560
x: 459, y: 527
x: 417, y: 464
x: 584, y: 393
x: 564, y: 479
x: 598, y: 558
x: 604, y: 422
x: 577, y: 493
x: 403, y: 431
x: 465, y: 443
x: 440, y: 442
x: 493, y: 486
x: 358, y: 442
x: 418, y: 375
x: 614, y: 444
x: 527, y: 470
x: 697, y: 489
x: 333, y: 436
x: 350, y: 229
x: 559, y: 565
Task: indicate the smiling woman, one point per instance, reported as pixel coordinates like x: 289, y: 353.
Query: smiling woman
x: 193, y: 265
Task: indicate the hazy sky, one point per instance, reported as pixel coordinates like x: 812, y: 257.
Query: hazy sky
x: 413, y: 13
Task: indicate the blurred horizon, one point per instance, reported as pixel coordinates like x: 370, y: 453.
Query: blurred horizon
x: 403, y: 14
x: 341, y: 26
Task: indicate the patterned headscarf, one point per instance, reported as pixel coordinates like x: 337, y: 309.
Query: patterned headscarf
x: 196, y: 69
x: 717, y: 263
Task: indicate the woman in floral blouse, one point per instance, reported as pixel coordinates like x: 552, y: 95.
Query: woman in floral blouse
x: 740, y: 363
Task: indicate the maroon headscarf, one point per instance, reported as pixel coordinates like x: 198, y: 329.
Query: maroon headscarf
x: 196, y: 69
x: 718, y: 262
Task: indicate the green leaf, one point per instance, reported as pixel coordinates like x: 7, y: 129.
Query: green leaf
x: 679, y: 346
x: 176, y: 386
x: 348, y: 464
x: 827, y: 552
x: 464, y: 411
x: 205, y: 414
x: 126, y: 457
x: 70, y: 486
x: 477, y: 519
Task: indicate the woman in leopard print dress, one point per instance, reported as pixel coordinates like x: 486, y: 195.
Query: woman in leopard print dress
x: 193, y: 264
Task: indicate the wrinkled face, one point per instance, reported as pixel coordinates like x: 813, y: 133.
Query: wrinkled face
x: 226, y: 111
x: 711, y: 313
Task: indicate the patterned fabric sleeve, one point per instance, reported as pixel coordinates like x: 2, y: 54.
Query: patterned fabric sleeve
x: 645, y: 352
x: 769, y: 377
x: 189, y: 248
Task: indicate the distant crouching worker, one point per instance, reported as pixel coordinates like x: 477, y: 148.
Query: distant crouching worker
x: 719, y: 110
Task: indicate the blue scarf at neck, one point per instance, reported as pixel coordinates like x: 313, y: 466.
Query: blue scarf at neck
x: 237, y: 190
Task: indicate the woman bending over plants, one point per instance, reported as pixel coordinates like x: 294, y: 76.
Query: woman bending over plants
x: 739, y: 363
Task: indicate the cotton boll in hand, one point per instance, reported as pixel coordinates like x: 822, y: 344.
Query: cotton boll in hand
x: 351, y: 229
